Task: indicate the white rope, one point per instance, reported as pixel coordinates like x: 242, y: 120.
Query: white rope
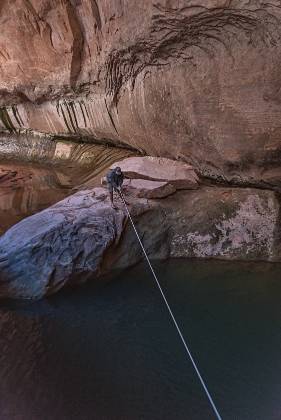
x: 171, y: 314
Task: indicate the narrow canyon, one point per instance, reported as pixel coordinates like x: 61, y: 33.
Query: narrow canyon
x: 183, y: 95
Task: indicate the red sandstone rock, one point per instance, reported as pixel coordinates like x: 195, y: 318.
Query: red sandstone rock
x: 149, y: 189
x: 197, y: 81
x: 178, y: 174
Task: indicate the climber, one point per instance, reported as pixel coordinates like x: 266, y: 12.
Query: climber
x: 114, y: 180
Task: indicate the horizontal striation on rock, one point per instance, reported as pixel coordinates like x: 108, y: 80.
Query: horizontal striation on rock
x: 193, y: 80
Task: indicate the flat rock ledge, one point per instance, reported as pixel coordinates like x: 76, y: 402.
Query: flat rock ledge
x: 143, y: 188
x: 82, y: 238
x: 178, y: 174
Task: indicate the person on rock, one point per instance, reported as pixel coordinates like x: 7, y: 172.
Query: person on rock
x: 114, y: 180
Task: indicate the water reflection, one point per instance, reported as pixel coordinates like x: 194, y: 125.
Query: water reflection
x: 110, y: 352
x: 26, y: 189
x: 22, y: 351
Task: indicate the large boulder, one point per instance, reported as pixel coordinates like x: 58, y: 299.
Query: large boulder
x: 225, y: 223
x: 193, y: 80
x: 82, y: 237
x: 60, y: 245
x: 178, y: 174
x: 143, y: 188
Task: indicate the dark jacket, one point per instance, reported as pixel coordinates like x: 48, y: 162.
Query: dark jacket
x: 113, y: 179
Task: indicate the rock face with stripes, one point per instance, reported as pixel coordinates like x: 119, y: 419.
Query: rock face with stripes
x: 193, y: 80
x: 196, y: 81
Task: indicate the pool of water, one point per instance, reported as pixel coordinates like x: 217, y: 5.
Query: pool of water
x: 28, y: 188
x: 110, y: 352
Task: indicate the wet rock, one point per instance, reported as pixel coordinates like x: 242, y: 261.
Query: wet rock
x: 82, y: 238
x: 228, y: 223
x: 225, y: 223
x: 178, y: 174
x: 61, y: 245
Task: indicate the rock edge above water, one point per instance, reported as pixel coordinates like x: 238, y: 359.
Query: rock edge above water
x: 82, y: 238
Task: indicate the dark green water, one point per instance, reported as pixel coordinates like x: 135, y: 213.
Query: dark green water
x: 110, y: 352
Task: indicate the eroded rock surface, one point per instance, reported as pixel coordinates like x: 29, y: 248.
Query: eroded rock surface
x: 193, y: 80
x: 178, y: 174
x: 223, y: 223
x: 148, y: 189
x: 82, y: 237
x: 64, y: 243
x: 197, y: 81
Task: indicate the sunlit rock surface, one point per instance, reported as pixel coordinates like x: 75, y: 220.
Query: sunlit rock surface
x: 82, y: 237
x: 193, y: 80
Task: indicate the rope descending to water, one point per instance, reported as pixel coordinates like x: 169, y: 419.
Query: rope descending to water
x: 171, y: 313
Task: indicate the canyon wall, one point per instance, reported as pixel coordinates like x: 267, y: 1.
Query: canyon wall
x: 195, y: 80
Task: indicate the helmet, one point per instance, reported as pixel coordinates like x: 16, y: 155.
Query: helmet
x: 118, y: 170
